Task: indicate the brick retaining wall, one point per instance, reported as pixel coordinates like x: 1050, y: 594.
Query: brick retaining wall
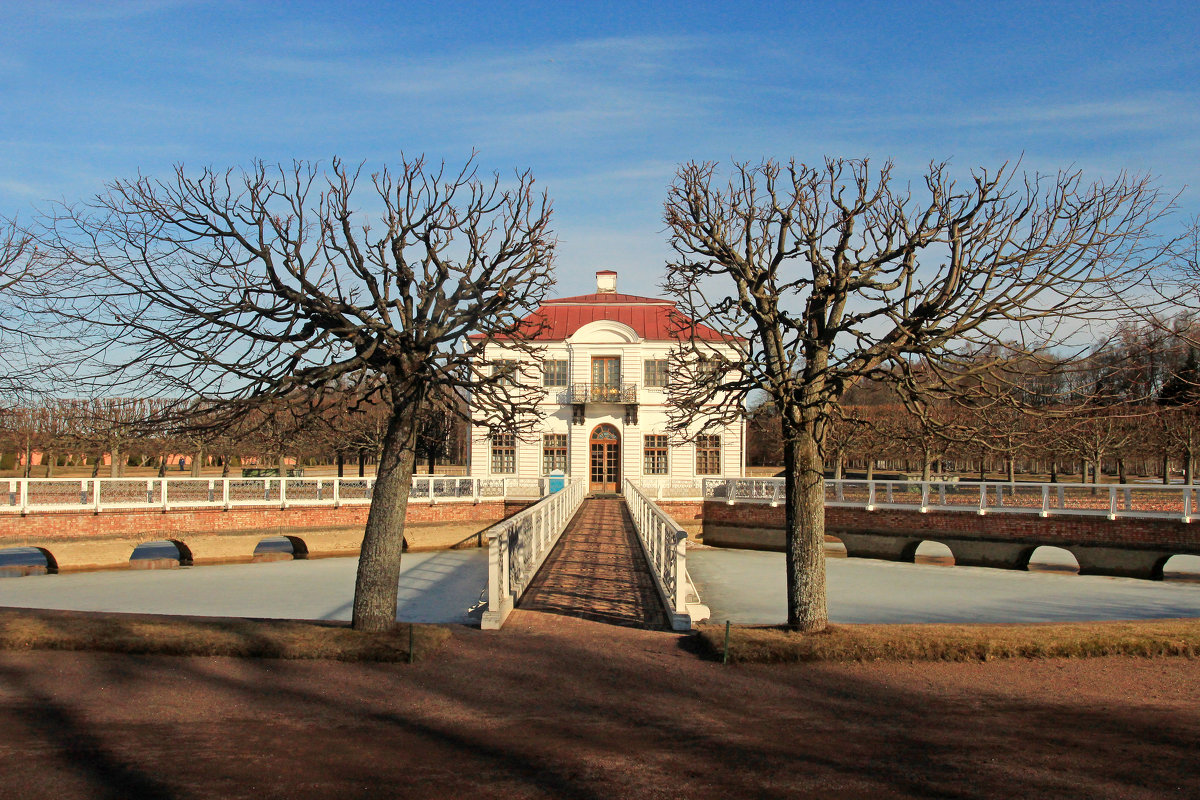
x: 82, y: 539
x: 1125, y: 546
x: 1066, y: 529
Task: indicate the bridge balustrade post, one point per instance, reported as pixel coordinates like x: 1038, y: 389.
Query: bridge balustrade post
x: 889, y: 492
x: 1112, y: 502
x: 1187, y: 504
x: 870, y: 496
x: 982, y: 498
x: 211, y: 490
x: 924, y: 496
x: 166, y: 505
x: 24, y: 496
x: 1045, y: 500
x: 283, y: 493
x: 225, y: 493
x: 680, y: 600
x: 96, y: 494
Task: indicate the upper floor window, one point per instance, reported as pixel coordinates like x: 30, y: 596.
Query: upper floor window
x: 554, y: 373
x: 508, y: 367
x: 709, y: 366
x: 656, y: 372
x: 554, y: 453
x: 504, y: 453
x: 708, y: 455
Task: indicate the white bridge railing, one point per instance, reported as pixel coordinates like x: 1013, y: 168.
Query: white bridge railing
x: 665, y: 548
x: 518, y: 546
x: 989, y: 497
x: 26, y: 495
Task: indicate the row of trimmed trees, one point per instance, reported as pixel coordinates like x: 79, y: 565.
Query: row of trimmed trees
x: 1130, y: 407
x: 109, y: 434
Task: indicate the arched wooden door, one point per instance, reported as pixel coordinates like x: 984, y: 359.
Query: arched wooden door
x: 606, y: 459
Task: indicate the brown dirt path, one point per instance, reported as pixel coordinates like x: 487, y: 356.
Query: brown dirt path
x: 555, y: 706
x: 597, y: 571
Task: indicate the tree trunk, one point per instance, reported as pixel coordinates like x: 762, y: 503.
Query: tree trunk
x: 225, y: 466
x: 376, y: 587
x: 804, y: 475
x: 837, y: 468
x: 197, y: 461
x: 1121, y: 476
x: 340, y: 458
x: 117, y: 468
x: 50, y: 460
x: 1166, y: 469
x: 870, y: 469
x: 162, y: 465
x: 1054, y: 470
x: 362, y: 462
x: 1012, y: 470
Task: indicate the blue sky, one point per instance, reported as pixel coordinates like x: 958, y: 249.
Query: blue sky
x: 600, y: 101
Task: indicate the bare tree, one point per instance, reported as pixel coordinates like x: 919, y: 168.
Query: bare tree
x: 830, y: 274
x: 270, y: 283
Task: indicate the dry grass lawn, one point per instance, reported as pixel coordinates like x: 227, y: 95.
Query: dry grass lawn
x: 841, y: 643
x: 146, y: 634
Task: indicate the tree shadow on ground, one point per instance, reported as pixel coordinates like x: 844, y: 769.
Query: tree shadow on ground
x: 573, y: 709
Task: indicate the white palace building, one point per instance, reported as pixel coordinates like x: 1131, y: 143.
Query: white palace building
x: 605, y: 373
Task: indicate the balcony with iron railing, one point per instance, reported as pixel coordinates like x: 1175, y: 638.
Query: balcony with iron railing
x: 602, y: 393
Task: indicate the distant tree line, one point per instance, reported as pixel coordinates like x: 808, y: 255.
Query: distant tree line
x: 1128, y: 408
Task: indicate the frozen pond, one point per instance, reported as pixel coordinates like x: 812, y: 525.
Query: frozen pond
x: 748, y: 586
x: 434, y: 587
x: 741, y: 585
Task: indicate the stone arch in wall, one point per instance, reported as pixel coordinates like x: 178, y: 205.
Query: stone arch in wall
x: 929, y: 551
x: 1049, y: 558
x: 161, y: 550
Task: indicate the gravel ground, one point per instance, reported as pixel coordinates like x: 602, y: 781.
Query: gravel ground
x: 555, y: 707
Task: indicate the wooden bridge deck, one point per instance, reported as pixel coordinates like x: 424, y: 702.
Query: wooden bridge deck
x: 597, y: 571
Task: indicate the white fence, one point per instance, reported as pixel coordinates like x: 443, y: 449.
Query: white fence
x: 665, y: 547
x: 1045, y: 499
x: 25, y: 495
x: 518, y: 546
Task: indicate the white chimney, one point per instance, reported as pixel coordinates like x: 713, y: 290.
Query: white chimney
x: 606, y: 282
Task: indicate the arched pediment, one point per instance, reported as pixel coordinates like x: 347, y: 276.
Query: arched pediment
x: 605, y: 330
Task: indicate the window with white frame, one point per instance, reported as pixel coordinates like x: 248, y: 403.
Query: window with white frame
x: 554, y: 373
x: 708, y: 455
x: 654, y: 454
x: 504, y: 453
x: 554, y: 453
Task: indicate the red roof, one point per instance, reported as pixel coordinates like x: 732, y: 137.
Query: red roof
x: 651, y: 318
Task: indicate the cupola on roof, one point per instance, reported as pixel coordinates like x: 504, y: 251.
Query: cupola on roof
x: 652, y: 318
